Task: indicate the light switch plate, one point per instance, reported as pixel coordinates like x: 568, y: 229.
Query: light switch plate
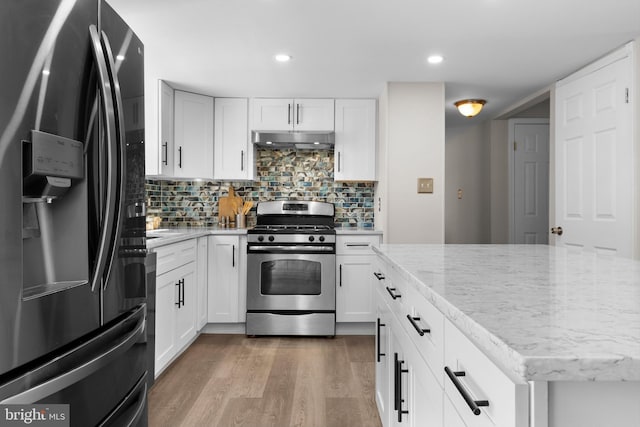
x: 425, y: 185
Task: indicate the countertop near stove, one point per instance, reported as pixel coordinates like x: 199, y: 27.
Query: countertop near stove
x: 167, y: 236
x: 357, y: 231
x: 540, y: 312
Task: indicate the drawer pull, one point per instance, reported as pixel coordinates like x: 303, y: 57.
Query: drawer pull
x: 379, y: 276
x: 473, y: 404
x: 357, y: 245
x: 417, y: 327
x: 393, y: 295
x: 378, y: 353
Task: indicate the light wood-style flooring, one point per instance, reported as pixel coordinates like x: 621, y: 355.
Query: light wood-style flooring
x: 232, y: 380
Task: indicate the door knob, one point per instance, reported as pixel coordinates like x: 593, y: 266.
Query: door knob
x: 556, y: 230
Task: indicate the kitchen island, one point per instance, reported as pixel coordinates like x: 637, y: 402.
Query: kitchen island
x: 565, y: 325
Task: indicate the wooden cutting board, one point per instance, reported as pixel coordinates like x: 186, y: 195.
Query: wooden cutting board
x: 227, y: 205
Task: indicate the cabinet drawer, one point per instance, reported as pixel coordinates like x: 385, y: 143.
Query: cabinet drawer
x: 421, y: 315
x: 175, y: 255
x: 356, y: 245
x: 483, y: 381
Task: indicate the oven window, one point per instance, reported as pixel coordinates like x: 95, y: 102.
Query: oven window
x: 290, y: 277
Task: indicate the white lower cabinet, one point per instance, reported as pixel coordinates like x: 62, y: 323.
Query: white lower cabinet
x: 412, y: 388
x: 227, y: 285
x: 175, y: 301
x: 202, y: 277
x: 354, y: 275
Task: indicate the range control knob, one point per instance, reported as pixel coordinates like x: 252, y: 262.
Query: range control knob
x: 311, y: 238
x: 321, y: 238
x: 271, y: 238
x: 260, y: 238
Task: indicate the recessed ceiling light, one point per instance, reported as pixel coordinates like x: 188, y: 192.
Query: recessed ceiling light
x: 120, y: 57
x: 435, y: 59
x: 46, y: 72
x: 269, y: 143
x: 283, y: 57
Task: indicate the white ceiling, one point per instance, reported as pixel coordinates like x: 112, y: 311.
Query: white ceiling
x: 500, y: 50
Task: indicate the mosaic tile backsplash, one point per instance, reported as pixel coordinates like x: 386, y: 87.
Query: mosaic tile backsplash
x: 281, y: 175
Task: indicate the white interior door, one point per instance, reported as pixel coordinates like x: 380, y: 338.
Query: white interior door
x: 594, y: 157
x: 531, y: 181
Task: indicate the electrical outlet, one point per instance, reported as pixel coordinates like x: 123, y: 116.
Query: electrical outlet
x: 425, y: 185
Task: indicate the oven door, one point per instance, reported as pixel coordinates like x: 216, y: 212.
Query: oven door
x: 291, y: 281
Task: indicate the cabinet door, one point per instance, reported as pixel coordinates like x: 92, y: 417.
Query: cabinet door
x: 424, y: 395
x: 165, y: 114
x: 354, y: 291
x: 383, y: 359
x: 201, y: 268
x: 166, y: 299
x: 193, y: 135
x: 313, y: 114
x: 186, y: 310
x: 224, y: 279
x: 233, y: 156
x: 355, y: 149
x: 272, y: 114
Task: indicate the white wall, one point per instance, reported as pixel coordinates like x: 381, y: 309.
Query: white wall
x: 152, y: 73
x: 636, y: 131
x: 499, y: 181
x: 413, y: 148
x: 467, y: 168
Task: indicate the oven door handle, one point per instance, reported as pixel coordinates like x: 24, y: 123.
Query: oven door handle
x: 292, y: 248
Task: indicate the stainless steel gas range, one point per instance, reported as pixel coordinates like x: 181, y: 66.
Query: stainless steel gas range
x: 291, y: 269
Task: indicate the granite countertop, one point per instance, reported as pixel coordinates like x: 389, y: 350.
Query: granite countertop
x: 167, y: 236
x: 539, y: 312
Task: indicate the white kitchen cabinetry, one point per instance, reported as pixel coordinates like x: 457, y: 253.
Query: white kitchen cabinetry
x: 227, y: 284
x: 175, y: 300
x: 193, y: 135
x: 292, y: 114
x: 355, y: 149
x: 203, y: 272
x: 354, y: 275
x: 233, y: 152
x: 422, y: 344
x: 165, y: 130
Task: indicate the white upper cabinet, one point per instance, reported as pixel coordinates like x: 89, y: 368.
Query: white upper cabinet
x: 165, y: 128
x: 292, y: 114
x: 193, y: 135
x: 233, y: 153
x: 355, y: 149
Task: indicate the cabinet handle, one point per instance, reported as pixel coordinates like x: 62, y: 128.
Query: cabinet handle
x: 398, y: 386
x: 417, y: 327
x: 180, y: 157
x: 378, y: 353
x: 473, y: 404
x: 357, y: 245
x: 182, y: 299
x: 393, y: 295
x: 379, y: 276
x: 338, y: 161
x: 165, y: 147
x: 340, y: 275
x: 179, y: 292
x: 288, y: 114
x: 297, y: 114
x: 242, y: 160
x: 233, y: 256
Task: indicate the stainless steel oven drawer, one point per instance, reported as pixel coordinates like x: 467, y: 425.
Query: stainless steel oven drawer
x: 291, y: 324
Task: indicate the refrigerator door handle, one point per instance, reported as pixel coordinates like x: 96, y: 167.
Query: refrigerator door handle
x: 139, y: 394
x: 105, y: 247
x: 83, y: 358
x: 120, y: 144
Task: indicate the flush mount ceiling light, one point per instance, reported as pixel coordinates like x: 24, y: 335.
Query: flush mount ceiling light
x: 435, y: 59
x: 283, y: 57
x: 470, y: 107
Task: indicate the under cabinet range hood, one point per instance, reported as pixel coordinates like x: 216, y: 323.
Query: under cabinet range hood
x: 300, y: 140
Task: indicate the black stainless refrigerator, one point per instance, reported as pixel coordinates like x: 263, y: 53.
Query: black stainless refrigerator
x: 72, y: 213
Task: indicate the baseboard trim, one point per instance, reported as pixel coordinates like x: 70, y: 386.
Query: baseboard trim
x: 342, y: 328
